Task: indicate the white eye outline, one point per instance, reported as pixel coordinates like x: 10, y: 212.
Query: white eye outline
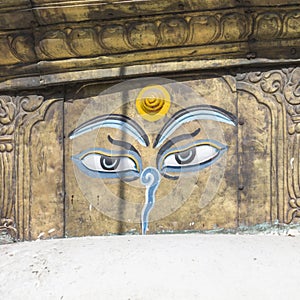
x: 127, y: 165
x: 203, y: 153
x: 101, y: 163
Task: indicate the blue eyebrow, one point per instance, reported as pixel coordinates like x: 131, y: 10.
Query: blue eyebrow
x: 198, y: 112
x: 120, y: 122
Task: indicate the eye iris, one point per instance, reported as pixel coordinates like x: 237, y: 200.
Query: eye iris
x: 186, y: 156
x: 109, y: 163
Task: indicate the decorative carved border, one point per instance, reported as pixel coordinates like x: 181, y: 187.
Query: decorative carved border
x: 279, y: 90
x: 239, y: 32
x: 18, y: 115
x: 202, y: 28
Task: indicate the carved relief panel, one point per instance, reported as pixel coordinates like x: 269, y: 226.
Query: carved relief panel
x: 31, y: 163
x: 276, y: 95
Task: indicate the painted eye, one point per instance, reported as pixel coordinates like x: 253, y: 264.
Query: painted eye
x: 193, y: 157
x: 185, y: 157
x: 112, y: 165
x: 103, y: 163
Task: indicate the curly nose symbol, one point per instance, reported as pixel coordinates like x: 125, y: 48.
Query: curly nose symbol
x: 150, y: 178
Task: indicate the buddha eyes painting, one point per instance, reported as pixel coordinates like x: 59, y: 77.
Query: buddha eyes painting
x: 144, y: 145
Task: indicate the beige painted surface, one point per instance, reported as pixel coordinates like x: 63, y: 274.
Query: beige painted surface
x: 197, y: 201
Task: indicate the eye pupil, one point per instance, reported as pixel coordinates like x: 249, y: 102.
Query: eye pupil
x: 185, y: 157
x: 109, y: 163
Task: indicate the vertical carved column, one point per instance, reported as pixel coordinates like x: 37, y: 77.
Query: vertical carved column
x: 18, y: 116
x: 292, y: 97
x: 7, y: 123
x: 279, y: 91
x: 7, y: 120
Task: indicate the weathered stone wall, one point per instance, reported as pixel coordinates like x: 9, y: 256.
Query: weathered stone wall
x: 68, y: 104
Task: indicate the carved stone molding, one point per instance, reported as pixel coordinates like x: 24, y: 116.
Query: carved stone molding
x: 203, y: 28
x: 241, y: 32
x: 279, y: 91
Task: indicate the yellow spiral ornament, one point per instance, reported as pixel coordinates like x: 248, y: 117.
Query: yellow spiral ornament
x: 153, y: 102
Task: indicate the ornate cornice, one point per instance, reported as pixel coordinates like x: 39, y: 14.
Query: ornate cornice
x: 133, y: 32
